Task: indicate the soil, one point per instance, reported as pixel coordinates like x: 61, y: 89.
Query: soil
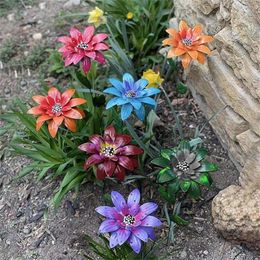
x: 31, y: 229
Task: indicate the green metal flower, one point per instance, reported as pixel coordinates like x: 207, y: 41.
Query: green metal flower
x: 184, y: 168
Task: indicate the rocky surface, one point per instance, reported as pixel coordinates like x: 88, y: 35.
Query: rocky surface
x: 236, y: 214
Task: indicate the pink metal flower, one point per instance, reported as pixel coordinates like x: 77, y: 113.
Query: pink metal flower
x: 83, y: 47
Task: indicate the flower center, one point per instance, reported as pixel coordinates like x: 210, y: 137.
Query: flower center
x: 129, y: 220
x: 130, y: 93
x: 56, y: 108
x: 108, y: 151
x: 183, y: 166
x: 82, y: 45
x: 187, y: 42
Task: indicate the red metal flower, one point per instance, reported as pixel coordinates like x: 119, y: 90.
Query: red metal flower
x: 112, y: 154
x: 56, y: 108
x: 83, y: 47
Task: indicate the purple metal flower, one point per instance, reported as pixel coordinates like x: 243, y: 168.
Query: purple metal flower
x: 128, y: 221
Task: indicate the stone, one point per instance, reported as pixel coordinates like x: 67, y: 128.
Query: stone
x: 245, y: 29
x: 233, y: 93
x: 207, y: 6
x: 250, y: 176
x: 42, y: 5
x: 11, y: 17
x: 183, y: 255
x: 237, y: 58
x: 37, y: 36
x: 247, y: 140
x: 71, y: 3
x: 236, y: 215
x: 255, y: 8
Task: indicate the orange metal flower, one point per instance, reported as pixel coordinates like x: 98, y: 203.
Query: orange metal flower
x: 57, y: 108
x: 188, y: 43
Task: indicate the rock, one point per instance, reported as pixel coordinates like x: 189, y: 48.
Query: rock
x: 250, y: 176
x: 26, y: 230
x: 71, y: 3
x: 37, y: 36
x: 11, y: 17
x: 36, y: 216
x: 42, y: 5
x: 183, y: 255
x: 236, y: 215
x: 247, y: 140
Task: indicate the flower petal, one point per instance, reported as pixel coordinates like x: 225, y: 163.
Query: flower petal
x: 205, y: 39
x: 119, y: 173
x: 117, y: 101
x: 66, y: 96
x: 204, y: 49
x: 76, y: 102
x: 101, y: 47
x: 99, y: 37
x: 135, y: 243
x: 101, y: 174
x: 141, y: 83
x: 108, y: 212
x: 130, y: 150
x: 113, y: 91
x: 53, y: 128
x: 64, y: 39
x: 35, y: 111
x: 136, y: 103
x: 118, y: 200
x: 40, y: 120
x: 140, y: 113
x: 58, y: 120
x: 149, y: 101
x: 38, y: 99
x: 186, y: 61
x: 113, y: 240
x: 152, y: 91
x: 75, y: 33
x: 54, y: 93
x: 201, y: 58
x: 126, y: 111
x: 148, y: 207
x: 122, y: 235
x: 122, y: 140
x: 127, y: 162
x: 110, y: 131
x: 116, y: 83
x: 108, y: 225
x: 109, y: 167
x: 183, y: 26
x: 93, y: 159
x: 73, y: 113
x: 96, y: 139
x: 86, y: 64
x: 133, y: 198
x: 140, y: 233
x: 151, y: 221
x: 88, y: 147
x: 193, y: 54
x: 100, y: 57
x: 70, y: 124
x: 149, y: 231
x: 197, y: 29
x: 88, y: 33
x: 128, y: 78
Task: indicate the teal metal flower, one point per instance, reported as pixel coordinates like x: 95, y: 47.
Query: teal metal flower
x: 131, y: 95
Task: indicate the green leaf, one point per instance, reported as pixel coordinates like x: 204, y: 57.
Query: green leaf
x: 194, y: 190
x: 179, y: 220
x: 166, y: 175
x: 162, y: 162
x: 185, y: 185
x: 204, y: 179
x: 181, y: 88
x: 184, y: 145
x: 43, y: 172
x: 165, y: 195
x: 195, y: 142
x: 27, y: 169
x: 167, y: 153
x: 82, y: 79
x: 201, y: 154
x: 174, y: 187
x: 208, y: 167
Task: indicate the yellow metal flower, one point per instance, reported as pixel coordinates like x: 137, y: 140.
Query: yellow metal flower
x: 153, y: 78
x: 129, y: 15
x: 96, y: 17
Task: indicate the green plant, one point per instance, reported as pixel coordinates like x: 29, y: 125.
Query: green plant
x: 36, y: 57
x: 8, y: 50
x: 123, y: 252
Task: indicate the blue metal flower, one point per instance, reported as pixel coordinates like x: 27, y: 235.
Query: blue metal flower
x: 131, y: 95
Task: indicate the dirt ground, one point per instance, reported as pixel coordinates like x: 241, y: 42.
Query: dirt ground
x: 27, y: 229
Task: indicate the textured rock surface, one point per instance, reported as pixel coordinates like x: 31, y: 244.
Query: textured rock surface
x: 236, y: 214
x: 229, y: 84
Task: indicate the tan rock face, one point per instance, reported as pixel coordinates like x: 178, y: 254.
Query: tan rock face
x: 230, y: 79
x: 236, y: 215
